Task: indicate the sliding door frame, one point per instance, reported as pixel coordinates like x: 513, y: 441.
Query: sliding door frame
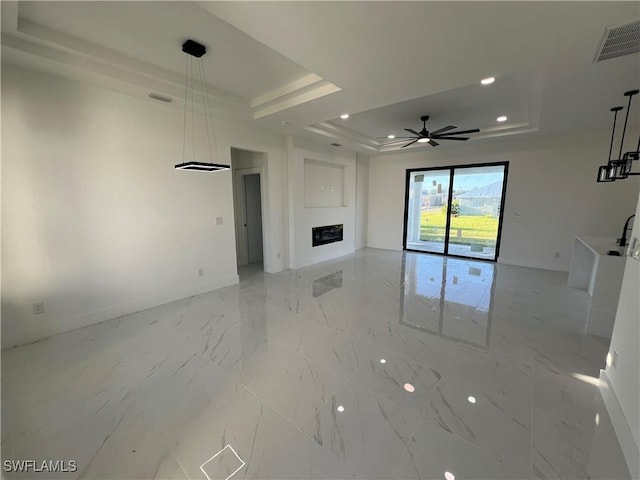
x: 452, y: 169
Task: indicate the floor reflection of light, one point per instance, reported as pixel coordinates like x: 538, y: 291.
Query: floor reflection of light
x: 472, y: 399
x: 409, y: 388
x: 340, y: 408
x: 586, y: 378
x: 449, y: 476
x: 382, y: 360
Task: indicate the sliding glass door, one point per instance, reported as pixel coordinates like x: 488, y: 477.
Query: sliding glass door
x: 455, y: 210
x: 426, y: 224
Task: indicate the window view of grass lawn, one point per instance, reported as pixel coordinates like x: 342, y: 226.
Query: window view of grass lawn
x: 465, y: 229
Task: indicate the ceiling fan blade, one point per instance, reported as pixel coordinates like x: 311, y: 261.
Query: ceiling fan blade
x: 462, y: 132
x: 453, y: 138
x: 433, y: 143
x: 410, y: 143
x: 394, y: 138
x: 443, y: 129
x: 410, y: 130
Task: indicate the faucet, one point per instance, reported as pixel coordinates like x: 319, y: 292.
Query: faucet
x: 622, y: 241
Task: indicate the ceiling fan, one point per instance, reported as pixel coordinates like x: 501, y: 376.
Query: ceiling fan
x: 425, y: 136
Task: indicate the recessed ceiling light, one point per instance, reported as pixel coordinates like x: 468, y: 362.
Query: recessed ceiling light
x: 344, y: 116
x: 409, y: 388
x: 391, y: 136
x: 487, y: 81
x: 382, y: 360
x: 597, y: 419
x: 472, y: 399
x: 340, y: 408
x: 423, y: 140
x: 449, y: 476
x: 501, y: 118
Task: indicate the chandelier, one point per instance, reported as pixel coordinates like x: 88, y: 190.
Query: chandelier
x: 196, y: 50
x: 620, y: 168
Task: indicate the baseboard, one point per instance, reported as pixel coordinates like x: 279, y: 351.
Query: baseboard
x: 622, y: 428
x: 274, y: 267
x: 109, y: 313
x: 308, y: 261
x: 517, y: 262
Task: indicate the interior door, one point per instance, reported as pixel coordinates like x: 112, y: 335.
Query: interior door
x: 253, y: 217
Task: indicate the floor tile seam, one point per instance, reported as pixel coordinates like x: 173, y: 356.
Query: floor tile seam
x: 478, y: 447
x: 440, y: 371
x: 299, y: 353
x: 169, y: 448
x: 568, y: 372
x: 135, y: 404
x: 275, y: 411
x: 412, y: 434
x: 342, y: 380
x: 380, y: 396
x: 572, y: 422
x: 531, y: 391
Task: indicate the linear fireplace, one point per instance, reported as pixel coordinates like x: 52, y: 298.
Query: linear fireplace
x: 327, y: 234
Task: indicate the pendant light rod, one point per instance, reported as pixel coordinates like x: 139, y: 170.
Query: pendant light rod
x: 629, y: 94
x: 615, y: 111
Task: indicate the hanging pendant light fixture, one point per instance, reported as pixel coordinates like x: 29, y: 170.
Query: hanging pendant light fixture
x: 196, y: 50
x: 620, y: 168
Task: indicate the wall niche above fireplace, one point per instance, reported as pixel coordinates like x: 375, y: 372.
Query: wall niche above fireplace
x: 326, y: 234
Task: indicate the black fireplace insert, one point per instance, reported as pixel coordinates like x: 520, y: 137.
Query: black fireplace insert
x: 327, y: 234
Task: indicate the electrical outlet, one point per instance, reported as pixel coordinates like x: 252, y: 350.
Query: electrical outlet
x: 614, y: 359
x: 38, y: 308
x: 201, y: 272
x: 557, y: 255
x: 278, y: 255
x: 218, y: 220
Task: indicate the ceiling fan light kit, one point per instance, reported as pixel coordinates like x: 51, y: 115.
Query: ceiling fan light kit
x: 425, y: 136
x: 193, y: 50
x: 621, y: 167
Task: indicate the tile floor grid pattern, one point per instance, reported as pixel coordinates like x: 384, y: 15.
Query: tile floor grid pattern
x: 268, y: 360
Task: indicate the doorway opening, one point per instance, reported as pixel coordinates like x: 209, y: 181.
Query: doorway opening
x: 455, y: 211
x: 248, y: 183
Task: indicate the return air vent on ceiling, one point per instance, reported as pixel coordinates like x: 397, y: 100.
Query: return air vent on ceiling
x: 619, y: 40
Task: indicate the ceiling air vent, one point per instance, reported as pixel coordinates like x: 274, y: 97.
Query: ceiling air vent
x: 619, y: 40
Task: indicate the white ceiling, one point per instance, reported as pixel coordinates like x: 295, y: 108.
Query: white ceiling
x: 385, y: 63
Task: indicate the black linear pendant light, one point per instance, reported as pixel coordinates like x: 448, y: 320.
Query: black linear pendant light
x: 621, y: 167
x: 196, y: 50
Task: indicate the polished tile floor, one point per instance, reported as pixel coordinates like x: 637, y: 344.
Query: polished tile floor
x: 376, y: 365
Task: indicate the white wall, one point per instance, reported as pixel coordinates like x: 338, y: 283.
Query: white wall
x: 303, y: 219
x: 95, y: 221
x: 624, y: 377
x: 551, y: 184
x: 362, y: 200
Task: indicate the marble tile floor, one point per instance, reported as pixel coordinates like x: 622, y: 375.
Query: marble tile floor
x: 377, y: 365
